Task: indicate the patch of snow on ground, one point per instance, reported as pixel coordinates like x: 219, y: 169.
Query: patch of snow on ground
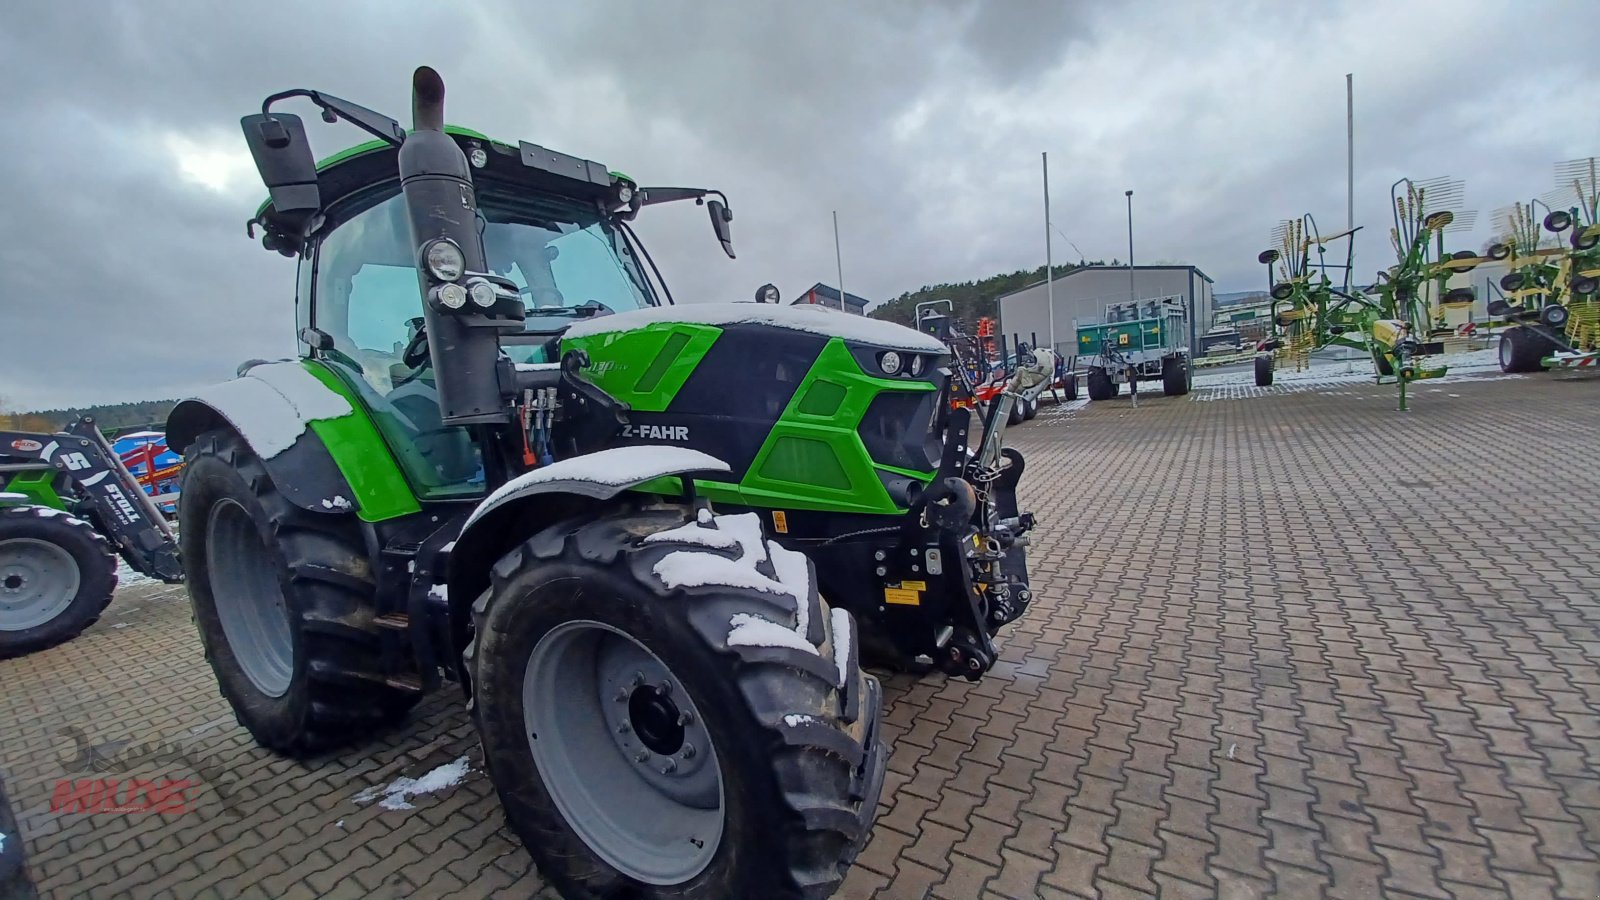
x: 396, y: 794
x: 806, y: 317
x: 127, y: 577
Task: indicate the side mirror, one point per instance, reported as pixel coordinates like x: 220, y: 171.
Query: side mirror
x: 721, y: 223
x: 767, y: 293
x: 283, y: 157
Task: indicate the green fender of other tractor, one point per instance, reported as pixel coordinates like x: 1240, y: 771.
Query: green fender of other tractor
x: 313, y: 435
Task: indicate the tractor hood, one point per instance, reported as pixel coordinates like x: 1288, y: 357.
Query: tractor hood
x: 819, y: 320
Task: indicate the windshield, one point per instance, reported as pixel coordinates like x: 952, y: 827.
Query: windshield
x: 561, y: 256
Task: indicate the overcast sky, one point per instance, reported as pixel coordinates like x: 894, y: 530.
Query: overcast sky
x: 125, y: 187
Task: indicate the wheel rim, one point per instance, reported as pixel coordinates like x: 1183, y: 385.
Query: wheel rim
x: 623, y: 752
x: 38, y: 581
x: 249, y: 600
x: 1506, y: 351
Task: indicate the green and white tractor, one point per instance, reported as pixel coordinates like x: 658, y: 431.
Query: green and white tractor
x: 638, y: 535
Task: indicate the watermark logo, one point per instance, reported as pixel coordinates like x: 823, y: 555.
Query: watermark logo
x: 153, y: 777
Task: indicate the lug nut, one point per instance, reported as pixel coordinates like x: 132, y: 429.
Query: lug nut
x: 688, y: 751
x: 670, y: 767
x: 641, y: 756
x: 879, y: 555
x: 624, y: 728
x: 638, y: 680
x: 685, y: 717
x: 665, y: 689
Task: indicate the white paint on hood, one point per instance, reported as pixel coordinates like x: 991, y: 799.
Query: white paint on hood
x: 807, y: 317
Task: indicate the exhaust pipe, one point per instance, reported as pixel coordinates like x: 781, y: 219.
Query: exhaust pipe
x: 442, y: 206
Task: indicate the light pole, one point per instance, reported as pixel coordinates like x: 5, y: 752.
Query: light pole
x: 1131, y: 295
x: 1049, y: 273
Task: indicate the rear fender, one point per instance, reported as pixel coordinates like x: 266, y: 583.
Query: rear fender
x: 271, y: 407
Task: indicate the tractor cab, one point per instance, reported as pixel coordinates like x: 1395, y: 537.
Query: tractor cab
x: 554, y: 232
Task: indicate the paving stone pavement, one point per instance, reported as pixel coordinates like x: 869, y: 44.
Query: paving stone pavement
x: 1292, y: 645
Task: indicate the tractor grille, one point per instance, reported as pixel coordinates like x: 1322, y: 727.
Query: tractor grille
x: 898, y: 430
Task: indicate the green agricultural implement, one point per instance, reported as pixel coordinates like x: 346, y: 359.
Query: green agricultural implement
x: 68, y: 509
x: 1551, y: 295
x: 638, y: 535
x: 1399, y: 319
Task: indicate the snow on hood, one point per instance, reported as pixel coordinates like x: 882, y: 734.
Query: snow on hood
x: 806, y: 317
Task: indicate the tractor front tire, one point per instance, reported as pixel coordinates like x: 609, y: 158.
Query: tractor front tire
x: 1522, y: 349
x: 668, y: 709
x: 1101, y: 387
x: 1264, y: 371
x: 1175, y: 377
x: 285, y: 602
x: 57, y: 575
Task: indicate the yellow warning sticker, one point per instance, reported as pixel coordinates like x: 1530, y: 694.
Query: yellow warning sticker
x: 780, y: 522
x: 914, y: 585
x: 902, y: 596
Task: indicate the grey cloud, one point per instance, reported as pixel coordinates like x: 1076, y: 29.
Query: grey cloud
x: 921, y: 123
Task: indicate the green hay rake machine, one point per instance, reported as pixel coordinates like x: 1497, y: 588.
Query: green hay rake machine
x: 1551, y: 298
x: 1400, y: 318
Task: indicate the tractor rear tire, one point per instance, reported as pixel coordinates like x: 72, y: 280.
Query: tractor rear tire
x: 285, y: 603
x: 1264, y: 371
x: 57, y: 575
x: 1101, y: 387
x: 1174, y: 377
x: 668, y: 709
x: 1521, y: 350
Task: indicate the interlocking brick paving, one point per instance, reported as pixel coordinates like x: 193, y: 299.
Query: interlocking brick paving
x: 1294, y: 644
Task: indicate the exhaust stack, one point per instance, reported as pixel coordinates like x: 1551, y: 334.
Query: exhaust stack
x: 442, y: 206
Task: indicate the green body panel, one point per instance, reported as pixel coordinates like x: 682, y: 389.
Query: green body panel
x: 39, y: 487
x: 812, y: 459
x: 645, y: 367
x: 363, y: 457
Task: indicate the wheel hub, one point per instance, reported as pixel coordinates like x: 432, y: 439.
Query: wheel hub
x: 654, y: 717
x: 38, y: 581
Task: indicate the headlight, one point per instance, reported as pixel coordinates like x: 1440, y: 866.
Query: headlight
x: 482, y: 293
x: 478, y: 158
x: 444, y: 260
x: 889, y: 362
x: 450, y: 296
x: 916, y: 366
x: 624, y: 192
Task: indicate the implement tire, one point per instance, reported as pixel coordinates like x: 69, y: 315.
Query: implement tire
x: 1264, y: 371
x: 668, y: 709
x: 1522, y: 349
x: 1100, y: 385
x: 1174, y: 376
x: 57, y: 575
x: 285, y: 602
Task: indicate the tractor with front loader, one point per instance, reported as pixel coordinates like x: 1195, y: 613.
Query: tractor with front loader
x: 639, y: 535
x: 1551, y: 295
x: 68, y: 509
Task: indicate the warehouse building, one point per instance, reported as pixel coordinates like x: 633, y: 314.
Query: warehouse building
x: 826, y: 295
x: 1082, y: 295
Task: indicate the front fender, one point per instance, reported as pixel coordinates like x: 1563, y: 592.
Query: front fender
x: 528, y: 504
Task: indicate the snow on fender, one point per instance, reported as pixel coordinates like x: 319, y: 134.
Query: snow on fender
x: 600, y: 475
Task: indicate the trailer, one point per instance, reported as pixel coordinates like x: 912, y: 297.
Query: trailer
x: 1141, y: 340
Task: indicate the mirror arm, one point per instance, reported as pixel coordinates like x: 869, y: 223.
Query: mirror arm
x: 334, y: 108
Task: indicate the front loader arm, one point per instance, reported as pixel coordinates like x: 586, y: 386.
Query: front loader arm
x: 109, y: 491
